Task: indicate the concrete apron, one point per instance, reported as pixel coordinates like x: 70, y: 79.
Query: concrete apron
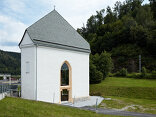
x: 91, y: 101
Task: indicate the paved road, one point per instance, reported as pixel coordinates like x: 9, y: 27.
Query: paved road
x: 115, y: 112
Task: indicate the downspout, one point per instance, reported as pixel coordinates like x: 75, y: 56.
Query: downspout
x: 36, y: 72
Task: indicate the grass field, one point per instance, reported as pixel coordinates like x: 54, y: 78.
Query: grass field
x: 137, y: 95
x: 125, y: 87
x: 16, y: 107
x: 128, y: 82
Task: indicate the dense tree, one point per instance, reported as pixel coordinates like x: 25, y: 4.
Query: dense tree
x: 144, y: 16
x: 110, y: 17
x: 99, y: 17
x: 129, y: 28
x: 92, y: 24
x: 153, y: 7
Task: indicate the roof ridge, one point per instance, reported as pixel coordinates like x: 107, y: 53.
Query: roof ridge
x: 61, y: 16
x: 54, y: 28
x: 41, y: 18
x: 69, y: 23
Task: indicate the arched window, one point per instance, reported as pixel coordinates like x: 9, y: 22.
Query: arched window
x: 64, y: 75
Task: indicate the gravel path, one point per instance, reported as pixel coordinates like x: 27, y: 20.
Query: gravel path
x: 115, y: 112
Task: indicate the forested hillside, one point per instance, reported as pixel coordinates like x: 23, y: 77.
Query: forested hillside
x: 125, y: 31
x: 10, y: 62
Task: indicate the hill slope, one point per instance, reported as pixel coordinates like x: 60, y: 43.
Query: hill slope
x: 127, y: 94
x: 10, y: 62
x: 16, y: 107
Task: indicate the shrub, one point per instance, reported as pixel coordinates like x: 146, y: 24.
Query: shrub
x: 122, y: 72
x: 98, y: 76
x: 139, y: 75
x: 134, y: 75
x: 105, y: 64
x: 154, y: 72
x: 117, y: 74
x: 151, y: 75
x: 144, y: 72
x: 95, y: 76
x: 110, y: 74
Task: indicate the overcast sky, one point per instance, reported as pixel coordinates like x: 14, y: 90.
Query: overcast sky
x: 17, y: 15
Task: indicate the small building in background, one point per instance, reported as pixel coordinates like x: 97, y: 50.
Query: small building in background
x: 54, y: 61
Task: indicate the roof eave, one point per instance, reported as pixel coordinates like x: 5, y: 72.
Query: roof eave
x: 51, y: 45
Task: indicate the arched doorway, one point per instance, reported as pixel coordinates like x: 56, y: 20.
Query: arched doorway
x: 65, y: 82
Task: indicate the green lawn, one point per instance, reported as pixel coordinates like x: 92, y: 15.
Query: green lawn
x: 128, y: 82
x: 137, y: 95
x: 16, y: 107
x: 125, y: 87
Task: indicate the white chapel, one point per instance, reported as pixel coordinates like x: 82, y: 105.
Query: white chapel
x: 54, y: 61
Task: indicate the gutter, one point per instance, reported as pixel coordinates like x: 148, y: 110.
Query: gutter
x: 60, y: 46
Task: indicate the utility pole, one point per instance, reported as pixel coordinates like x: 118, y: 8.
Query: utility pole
x: 139, y: 63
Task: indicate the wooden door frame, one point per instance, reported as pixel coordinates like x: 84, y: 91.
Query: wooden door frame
x: 68, y: 87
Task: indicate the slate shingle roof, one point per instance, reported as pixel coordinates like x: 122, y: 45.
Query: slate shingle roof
x: 54, y: 31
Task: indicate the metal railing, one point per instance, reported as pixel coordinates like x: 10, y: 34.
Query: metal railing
x: 10, y: 89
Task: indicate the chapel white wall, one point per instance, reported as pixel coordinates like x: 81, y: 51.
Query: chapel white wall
x: 28, y: 80
x: 49, y: 61
x: 26, y: 40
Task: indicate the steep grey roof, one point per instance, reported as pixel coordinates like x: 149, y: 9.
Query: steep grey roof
x: 54, y: 31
